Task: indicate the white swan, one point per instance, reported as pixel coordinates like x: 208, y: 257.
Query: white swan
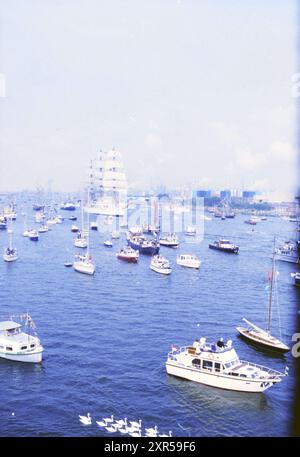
x: 136, y: 424
x: 165, y: 436
x: 137, y: 433
x: 86, y: 420
x: 105, y: 421
x: 122, y: 422
x: 151, y: 434
x: 112, y: 428
x: 152, y: 430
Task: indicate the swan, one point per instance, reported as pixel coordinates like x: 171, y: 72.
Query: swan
x: 105, y: 422
x: 124, y: 430
x: 152, y: 430
x: 136, y: 433
x: 136, y: 424
x: 165, y: 436
x: 132, y: 429
x: 112, y: 428
x: 122, y: 422
x: 86, y: 420
x: 152, y: 434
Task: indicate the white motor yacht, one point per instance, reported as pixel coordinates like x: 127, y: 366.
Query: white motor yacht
x: 170, y: 241
x: 160, y: 264
x: 17, y: 345
x: 188, y: 260
x: 218, y: 365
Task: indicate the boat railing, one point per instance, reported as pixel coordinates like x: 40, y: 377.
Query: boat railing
x: 211, y: 348
x: 269, y: 371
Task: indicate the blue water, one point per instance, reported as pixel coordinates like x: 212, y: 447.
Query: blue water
x: 106, y: 337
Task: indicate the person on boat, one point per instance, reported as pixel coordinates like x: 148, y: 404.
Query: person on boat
x: 221, y: 343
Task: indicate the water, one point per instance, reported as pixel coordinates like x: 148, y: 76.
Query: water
x: 106, y: 337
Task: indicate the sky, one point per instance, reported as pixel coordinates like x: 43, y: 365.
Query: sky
x: 190, y: 91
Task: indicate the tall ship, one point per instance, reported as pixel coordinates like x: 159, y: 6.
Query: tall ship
x: 108, y: 185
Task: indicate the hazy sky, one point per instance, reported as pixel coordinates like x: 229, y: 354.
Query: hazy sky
x: 188, y: 91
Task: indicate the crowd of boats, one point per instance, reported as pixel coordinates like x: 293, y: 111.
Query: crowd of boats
x: 215, y: 364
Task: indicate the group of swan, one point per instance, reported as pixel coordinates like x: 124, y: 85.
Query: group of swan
x: 132, y: 428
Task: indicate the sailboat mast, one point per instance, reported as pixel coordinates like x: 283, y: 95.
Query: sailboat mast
x: 88, y: 226
x: 271, y: 289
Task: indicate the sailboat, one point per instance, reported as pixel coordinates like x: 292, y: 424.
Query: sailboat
x: 258, y: 336
x: 10, y: 253
x: 84, y: 263
x: 80, y: 240
x: 26, y: 232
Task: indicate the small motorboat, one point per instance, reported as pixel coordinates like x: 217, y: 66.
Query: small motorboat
x: 17, y: 345
x: 68, y: 264
x: 73, y: 218
x: 191, y: 231
x: 296, y: 277
x: 144, y: 245
x: 51, y: 221
x: 33, y: 235
x: 94, y: 226
x: 160, y: 264
x: 108, y: 244
x: 188, y: 260
x: 74, y: 229
x: 251, y: 221
x: 170, y: 241
x: 69, y: 206
x: 80, y: 241
x: 43, y: 229
x: 128, y: 254
x: 225, y: 246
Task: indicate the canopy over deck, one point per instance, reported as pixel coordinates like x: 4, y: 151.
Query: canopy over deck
x: 8, y: 325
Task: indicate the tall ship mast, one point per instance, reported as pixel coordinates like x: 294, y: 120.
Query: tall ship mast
x: 108, y: 185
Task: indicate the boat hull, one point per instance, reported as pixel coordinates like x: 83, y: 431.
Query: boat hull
x: 219, y: 381
x: 163, y: 271
x: 81, y: 267
x: 147, y: 250
x: 129, y: 259
x: 287, y: 258
x: 34, y: 357
x: 8, y: 258
x: 195, y: 265
x: 228, y: 250
x: 168, y: 244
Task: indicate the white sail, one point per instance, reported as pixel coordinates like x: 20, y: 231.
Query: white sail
x: 108, y: 184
